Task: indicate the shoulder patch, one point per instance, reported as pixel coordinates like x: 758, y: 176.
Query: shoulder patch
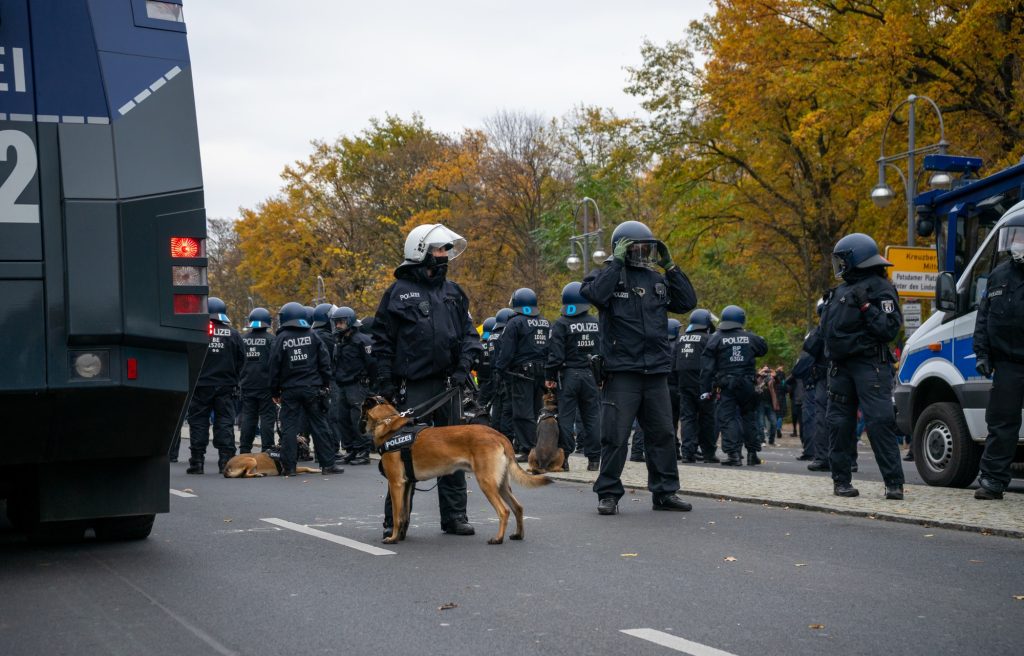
x: 888, y: 306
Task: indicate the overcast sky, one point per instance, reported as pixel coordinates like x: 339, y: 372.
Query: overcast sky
x: 270, y: 76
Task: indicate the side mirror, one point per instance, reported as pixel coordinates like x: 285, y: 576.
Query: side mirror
x: 945, y: 292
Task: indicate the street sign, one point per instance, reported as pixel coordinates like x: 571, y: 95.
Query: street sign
x: 913, y: 271
x: 911, y: 316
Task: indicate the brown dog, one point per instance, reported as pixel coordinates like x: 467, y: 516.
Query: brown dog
x: 256, y: 465
x: 546, y: 456
x: 445, y: 450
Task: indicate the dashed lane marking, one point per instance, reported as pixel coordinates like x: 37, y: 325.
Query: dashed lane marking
x: 330, y: 537
x: 675, y: 642
x: 179, y: 493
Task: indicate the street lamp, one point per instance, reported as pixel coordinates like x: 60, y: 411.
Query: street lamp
x: 882, y: 194
x: 592, y: 230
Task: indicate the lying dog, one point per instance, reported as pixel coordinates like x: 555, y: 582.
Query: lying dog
x: 256, y: 465
x: 445, y: 450
x: 546, y: 456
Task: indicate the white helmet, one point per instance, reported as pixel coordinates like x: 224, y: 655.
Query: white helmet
x: 429, y: 236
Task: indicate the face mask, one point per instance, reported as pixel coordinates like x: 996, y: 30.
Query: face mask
x: 437, y: 266
x: 1017, y: 253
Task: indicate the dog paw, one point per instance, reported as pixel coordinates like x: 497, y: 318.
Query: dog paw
x: 516, y: 536
x: 389, y: 540
x: 494, y: 541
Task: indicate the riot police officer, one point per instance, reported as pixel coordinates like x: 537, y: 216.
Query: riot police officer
x: 729, y: 363
x: 633, y: 302
x: 698, y: 416
x: 858, y: 322
x: 324, y: 329
x: 815, y: 369
x: 572, y: 345
x: 354, y: 367
x: 482, y: 366
x: 300, y: 376
x: 425, y: 341
x: 501, y: 404
x: 673, y: 382
x: 998, y: 338
x: 522, y: 348
x: 258, y: 406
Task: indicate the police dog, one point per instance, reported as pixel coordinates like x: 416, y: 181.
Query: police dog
x: 547, y: 456
x: 257, y: 465
x: 445, y: 450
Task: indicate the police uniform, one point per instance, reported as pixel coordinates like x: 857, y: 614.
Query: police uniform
x: 633, y: 304
x: 999, y: 341
x: 499, y: 403
x: 573, y: 342
x: 423, y: 338
x: 215, y: 392
x: 354, y: 368
x: 522, y: 348
x: 484, y: 374
x: 816, y: 382
x: 258, y: 406
x: 729, y: 363
x: 673, y: 396
x: 300, y: 375
x: 697, y: 416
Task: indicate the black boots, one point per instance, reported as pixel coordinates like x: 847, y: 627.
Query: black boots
x: 988, y: 490
x: 845, y: 490
x: 333, y: 469
x: 752, y: 458
x: 894, y: 492
x: 671, y: 502
x: 593, y: 464
x: 732, y: 460
x: 359, y: 458
x: 194, y: 467
x: 819, y: 465
x: 607, y: 506
x: 458, y: 525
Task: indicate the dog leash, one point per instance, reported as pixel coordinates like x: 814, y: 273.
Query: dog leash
x: 424, y: 409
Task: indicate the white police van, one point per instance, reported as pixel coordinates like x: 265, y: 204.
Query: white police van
x: 940, y: 398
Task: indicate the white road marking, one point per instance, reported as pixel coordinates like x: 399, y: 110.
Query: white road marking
x: 330, y: 537
x: 675, y: 642
x: 159, y: 83
x: 169, y: 75
x: 98, y: 120
x: 73, y: 119
x: 127, y: 107
x: 179, y: 493
x: 145, y: 93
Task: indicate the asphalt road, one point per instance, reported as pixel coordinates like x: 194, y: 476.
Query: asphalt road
x: 215, y: 577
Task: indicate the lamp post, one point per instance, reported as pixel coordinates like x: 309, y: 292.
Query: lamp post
x: 883, y: 194
x: 590, y: 234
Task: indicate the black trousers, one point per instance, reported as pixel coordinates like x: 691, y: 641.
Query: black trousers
x: 219, y: 401
x: 644, y: 397
x: 737, y: 414
x: 334, y: 415
x: 451, y: 489
x: 300, y: 404
x: 698, y: 419
x: 501, y: 409
x: 819, y: 426
x: 350, y: 410
x: 527, y: 395
x: 258, y: 409
x: 487, y: 385
x: 578, y: 393
x: 1003, y: 419
x: 673, y: 398
x: 865, y: 383
x: 798, y: 421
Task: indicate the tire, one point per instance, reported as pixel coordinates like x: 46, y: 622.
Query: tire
x: 944, y: 453
x: 137, y: 527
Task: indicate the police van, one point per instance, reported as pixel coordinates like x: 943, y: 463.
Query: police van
x: 940, y: 398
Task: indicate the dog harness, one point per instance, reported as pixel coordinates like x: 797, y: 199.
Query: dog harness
x: 274, y: 453
x: 402, y: 442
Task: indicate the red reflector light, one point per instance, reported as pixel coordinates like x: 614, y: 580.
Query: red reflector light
x: 189, y: 304
x: 133, y: 368
x: 186, y: 247
x: 209, y: 329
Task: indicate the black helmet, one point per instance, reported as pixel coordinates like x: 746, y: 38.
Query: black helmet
x: 523, y: 301
x: 218, y: 311
x: 260, y: 318
x: 294, y: 315
x: 733, y: 316
x: 856, y: 251
x: 573, y: 302
x: 501, y: 318
x: 345, y: 313
x: 309, y: 314
x: 641, y: 254
x: 700, y: 319
x: 488, y: 327
x: 322, y: 315
x: 673, y: 328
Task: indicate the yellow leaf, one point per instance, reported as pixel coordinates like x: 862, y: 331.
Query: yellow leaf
x: 629, y: 555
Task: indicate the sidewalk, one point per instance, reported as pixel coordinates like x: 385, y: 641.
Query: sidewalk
x: 929, y: 506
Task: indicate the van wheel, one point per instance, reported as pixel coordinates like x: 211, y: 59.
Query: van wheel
x: 137, y: 527
x: 944, y: 452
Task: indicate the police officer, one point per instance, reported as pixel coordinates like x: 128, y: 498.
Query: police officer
x: 216, y: 391
x: 501, y: 404
x: 815, y: 371
x: 425, y: 341
x: 257, y: 402
x: 673, y: 382
x: 354, y: 367
x: 573, y: 344
x: 633, y: 301
x: 324, y: 329
x: 522, y: 349
x: 860, y: 319
x: 482, y: 366
x: 998, y: 337
x: 698, y: 416
x: 729, y: 363
x: 300, y: 376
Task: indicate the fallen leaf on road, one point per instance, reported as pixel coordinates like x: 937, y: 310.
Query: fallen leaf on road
x: 929, y: 535
x: 730, y: 559
x: 629, y: 555
x: 816, y: 627
x: 801, y: 564
x: 188, y: 489
x: 226, y: 521
x: 448, y: 606
x: 975, y: 561
x: 1019, y: 597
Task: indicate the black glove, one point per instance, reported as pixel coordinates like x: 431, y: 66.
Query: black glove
x: 664, y: 257
x: 983, y: 367
x: 858, y: 297
x: 386, y: 388
x: 460, y: 378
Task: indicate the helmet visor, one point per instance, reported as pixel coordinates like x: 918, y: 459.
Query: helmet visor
x: 1011, y: 238
x: 838, y: 265
x: 441, y: 237
x: 642, y: 253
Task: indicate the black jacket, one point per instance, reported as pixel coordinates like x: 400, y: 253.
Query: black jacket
x: 298, y: 359
x: 225, y: 358
x: 353, y: 358
x: 850, y: 333
x: 730, y: 353
x: 524, y: 339
x: 423, y: 328
x: 326, y: 336
x: 999, y: 328
x: 256, y: 374
x: 815, y: 366
x: 633, y: 305
x: 689, y: 348
x: 572, y: 343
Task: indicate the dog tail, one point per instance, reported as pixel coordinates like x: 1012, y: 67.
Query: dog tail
x: 518, y: 474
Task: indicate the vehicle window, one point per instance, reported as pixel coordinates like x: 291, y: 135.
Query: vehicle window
x: 983, y: 266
